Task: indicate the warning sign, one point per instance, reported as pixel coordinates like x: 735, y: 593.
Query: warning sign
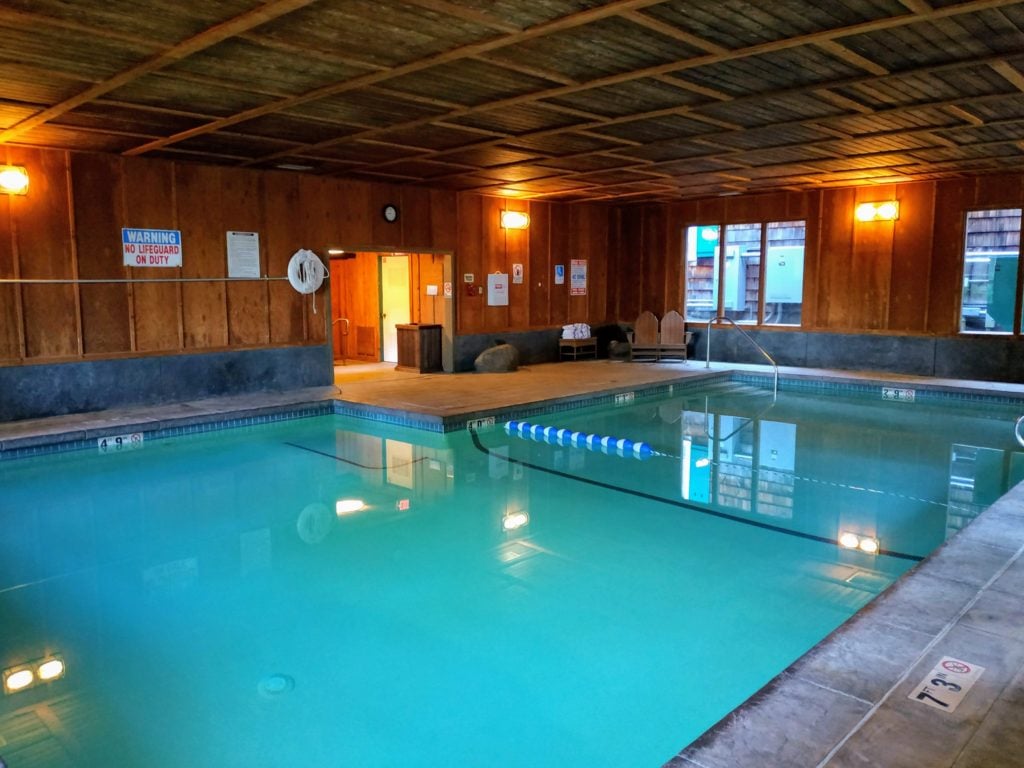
x: 151, y: 247
x: 946, y: 685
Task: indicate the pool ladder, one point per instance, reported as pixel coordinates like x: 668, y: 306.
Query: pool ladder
x: 1016, y: 430
x: 775, y: 385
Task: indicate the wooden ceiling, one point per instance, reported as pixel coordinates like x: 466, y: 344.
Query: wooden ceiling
x: 627, y: 100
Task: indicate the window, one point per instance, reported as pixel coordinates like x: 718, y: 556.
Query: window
x: 702, y: 272
x: 732, y: 286
x: 988, y: 302
x: 784, y: 273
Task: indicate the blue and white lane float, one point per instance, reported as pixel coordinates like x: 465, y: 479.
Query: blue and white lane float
x: 604, y: 443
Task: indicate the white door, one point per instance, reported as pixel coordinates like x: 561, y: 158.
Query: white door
x: 394, y: 302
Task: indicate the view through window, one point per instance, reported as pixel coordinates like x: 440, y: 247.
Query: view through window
x: 736, y: 281
x: 991, y: 252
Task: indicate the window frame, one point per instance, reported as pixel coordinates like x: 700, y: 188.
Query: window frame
x: 719, y: 310
x: 1018, y: 309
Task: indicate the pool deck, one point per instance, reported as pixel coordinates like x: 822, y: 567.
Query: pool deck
x: 843, y: 704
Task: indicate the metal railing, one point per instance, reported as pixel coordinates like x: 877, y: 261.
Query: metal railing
x: 1016, y: 430
x: 775, y: 385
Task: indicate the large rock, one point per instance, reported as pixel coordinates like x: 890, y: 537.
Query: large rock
x: 497, y: 359
x: 620, y: 350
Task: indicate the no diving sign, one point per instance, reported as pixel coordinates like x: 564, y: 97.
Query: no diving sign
x: 151, y: 247
x: 947, y: 684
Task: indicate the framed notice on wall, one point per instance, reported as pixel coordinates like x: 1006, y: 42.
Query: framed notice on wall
x: 578, y: 277
x: 243, y: 254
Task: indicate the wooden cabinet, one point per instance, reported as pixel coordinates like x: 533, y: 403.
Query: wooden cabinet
x: 419, y: 348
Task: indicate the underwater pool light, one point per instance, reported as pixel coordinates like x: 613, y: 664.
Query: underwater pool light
x: 850, y: 540
x: 514, y: 520
x: 18, y: 679
x: 51, y: 669
x: 349, y: 506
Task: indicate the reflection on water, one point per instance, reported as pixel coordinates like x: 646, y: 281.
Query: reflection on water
x: 330, y: 592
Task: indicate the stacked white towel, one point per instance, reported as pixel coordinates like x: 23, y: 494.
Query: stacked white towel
x: 576, y: 331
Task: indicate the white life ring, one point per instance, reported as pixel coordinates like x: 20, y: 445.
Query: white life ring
x: 306, y: 272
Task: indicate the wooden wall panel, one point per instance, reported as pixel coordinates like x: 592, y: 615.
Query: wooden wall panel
x: 871, y: 265
x: 97, y: 195
x: 594, y: 248
x: 242, y: 211
x: 811, y: 213
x: 149, y: 201
x: 200, y: 214
x: 43, y: 229
x: 629, y: 274
x: 281, y: 236
x: 11, y: 334
x: 444, y: 227
x: 539, y: 272
x: 517, y: 251
x: 470, y: 306
x: 414, y: 218
x: 427, y: 269
x: 653, y: 257
x: 674, y: 259
x: 952, y: 198
x: 560, y: 254
x: 911, y: 259
x: 494, y: 253
x: 834, y: 259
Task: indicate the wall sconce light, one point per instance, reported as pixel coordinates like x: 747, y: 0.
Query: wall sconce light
x: 515, y: 220
x: 889, y: 210
x: 13, y: 179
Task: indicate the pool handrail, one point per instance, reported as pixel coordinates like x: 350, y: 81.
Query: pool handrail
x: 1016, y: 430
x: 775, y: 385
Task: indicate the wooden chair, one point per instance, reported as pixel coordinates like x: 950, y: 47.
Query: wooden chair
x: 673, y: 338
x: 645, y: 337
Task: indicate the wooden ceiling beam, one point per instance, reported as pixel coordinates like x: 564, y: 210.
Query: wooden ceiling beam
x: 733, y: 155
x: 297, y: 49
x: 656, y: 25
x: 12, y: 17
x: 1009, y: 73
x: 562, y: 23
x: 842, y: 101
x: 686, y: 85
x: 972, y: 6
x: 916, y: 6
x: 964, y: 114
x: 526, y: 69
x: 466, y: 14
x: 205, y: 39
x: 851, y: 57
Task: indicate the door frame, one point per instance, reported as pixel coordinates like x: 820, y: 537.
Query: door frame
x: 448, y: 314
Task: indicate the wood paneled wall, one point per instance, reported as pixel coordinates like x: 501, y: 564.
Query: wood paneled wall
x: 556, y: 235
x: 899, y: 277
x: 69, y: 227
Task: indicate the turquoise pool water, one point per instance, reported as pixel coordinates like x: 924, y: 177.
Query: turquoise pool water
x: 497, y: 600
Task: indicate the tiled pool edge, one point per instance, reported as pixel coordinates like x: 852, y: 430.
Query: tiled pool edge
x: 842, y: 703
x: 157, y: 429
x: 198, y: 422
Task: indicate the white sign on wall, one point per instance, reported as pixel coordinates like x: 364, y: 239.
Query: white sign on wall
x: 497, y: 290
x: 578, y: 277
x: 243, y: 254
x: 151, y: 247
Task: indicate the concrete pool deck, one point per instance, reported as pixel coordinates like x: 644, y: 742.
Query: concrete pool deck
x: 845, y: 703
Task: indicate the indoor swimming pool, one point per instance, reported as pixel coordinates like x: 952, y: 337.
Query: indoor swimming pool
x: 331, y: 591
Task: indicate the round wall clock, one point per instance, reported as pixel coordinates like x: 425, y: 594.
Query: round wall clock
x: 390, y: 213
